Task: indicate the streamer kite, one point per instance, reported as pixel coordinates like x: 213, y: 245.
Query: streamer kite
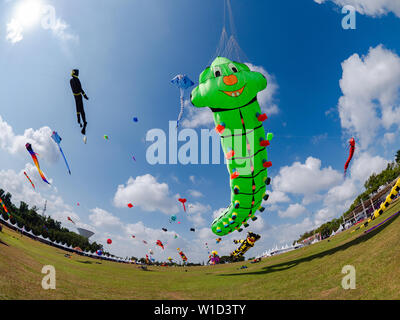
x: 230, y: 90
x: 26, y: 175
x: 352, y: 145
x: 182, y: 200
x: 57, y: 139
x: 28, y: 147
x: 184, y: 258
x: 384, y: 205
x: 183, y: 83
x: 4, y: 207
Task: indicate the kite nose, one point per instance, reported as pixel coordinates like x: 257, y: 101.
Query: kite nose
x: 230, y: 80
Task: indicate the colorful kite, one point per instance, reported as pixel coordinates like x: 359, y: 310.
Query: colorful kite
x: 352, y: 146
x: 57, y: 139
x: 71, y: 220
x: 26, y: 175
x: 5, y: 208
x: 183, y: 203
x: 214, y: 258
x: 106, y: 137
x: 28, y: 147
x: 245, y: 245
x: 182, y: 82
x: 230, y: 90
x: 184, y: 258
x: 172, y: 218
x: 160, y: 244
x: 218, y: 240
x: 130, y: 205
x: 384, y: 205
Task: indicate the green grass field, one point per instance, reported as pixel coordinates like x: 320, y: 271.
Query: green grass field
x: 313, y: 272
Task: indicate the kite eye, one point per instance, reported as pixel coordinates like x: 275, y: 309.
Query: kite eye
x: 217, y: 72
x: 233, y: 68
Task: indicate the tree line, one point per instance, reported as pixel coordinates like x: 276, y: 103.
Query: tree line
x: 43, y: 225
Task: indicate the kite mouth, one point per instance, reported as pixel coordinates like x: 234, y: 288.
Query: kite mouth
x: 235, y: 93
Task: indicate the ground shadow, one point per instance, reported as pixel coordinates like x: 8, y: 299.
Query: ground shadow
x: 1, y: 242
x: 86, y: 262
x: 290, y: 264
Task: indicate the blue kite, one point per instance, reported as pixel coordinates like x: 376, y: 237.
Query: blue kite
x: 183, y: 83
x: 57, y: 139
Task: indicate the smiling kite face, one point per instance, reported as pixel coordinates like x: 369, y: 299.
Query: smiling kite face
x: 227, y: 85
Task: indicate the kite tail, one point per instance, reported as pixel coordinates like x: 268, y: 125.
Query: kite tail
x: 66, y: 163
x: 182, y: 107
x: 26, y: 175
x: 35, y: 160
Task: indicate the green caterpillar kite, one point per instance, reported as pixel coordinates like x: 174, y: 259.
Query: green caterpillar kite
x: 230, y: 90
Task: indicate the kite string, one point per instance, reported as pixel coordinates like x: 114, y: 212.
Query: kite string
x: 228, y: 45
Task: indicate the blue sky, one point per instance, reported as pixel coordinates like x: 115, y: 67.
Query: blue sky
x: 326, y: 84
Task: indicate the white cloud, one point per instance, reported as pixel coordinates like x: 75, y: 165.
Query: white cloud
x: 39, y: 139
x: 305, y: 179
x: 14, y: 31
x: 293, y: 211
x: 196, y: 211
x: 198, y: 117
x: 266, y: 98
x: 287, y: 233
x: 146, y: 192
x: 389, y: 137
x: 102, y: 218
x: 370, y: 85
x: 374, y: 8
x: 276, y: 196
x: 365, y: 165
